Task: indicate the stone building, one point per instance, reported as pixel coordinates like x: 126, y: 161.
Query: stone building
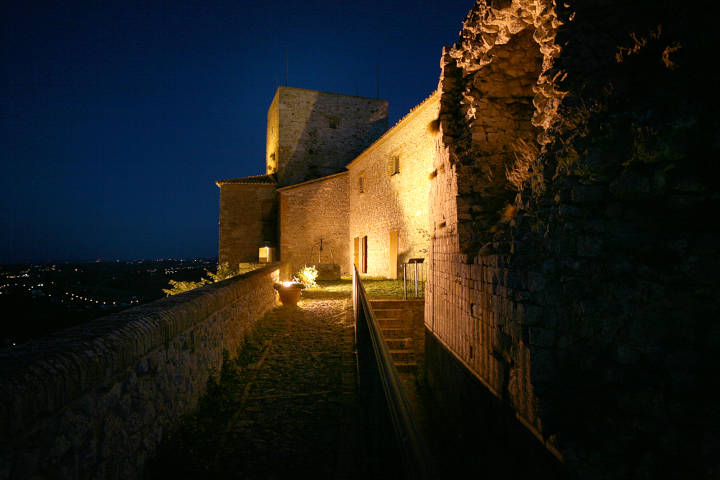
x: 339, y: 187
x: 314, y: 223
x: 388, y: 187
x: 247, y: 217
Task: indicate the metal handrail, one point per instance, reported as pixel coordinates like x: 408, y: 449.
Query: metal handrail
x: 416, y: 461
x: 419, y: 274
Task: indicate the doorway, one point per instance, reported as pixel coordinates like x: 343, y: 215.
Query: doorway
x: 393, y: 256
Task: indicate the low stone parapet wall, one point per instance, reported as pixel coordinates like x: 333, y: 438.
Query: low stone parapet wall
x: 93, y: 401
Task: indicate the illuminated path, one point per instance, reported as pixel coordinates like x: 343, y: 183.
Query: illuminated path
x: 290, y: 411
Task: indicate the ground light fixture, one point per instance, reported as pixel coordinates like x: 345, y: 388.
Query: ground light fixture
x: 290, y: 292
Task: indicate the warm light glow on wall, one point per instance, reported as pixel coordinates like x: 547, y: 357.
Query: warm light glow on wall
x: 266, y: 254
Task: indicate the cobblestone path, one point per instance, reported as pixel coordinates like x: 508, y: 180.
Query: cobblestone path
x: 292, y: 411
x: 297, y: 411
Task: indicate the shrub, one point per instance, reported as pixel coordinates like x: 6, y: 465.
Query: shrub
x: 307, y: 276
x: 224, y: 271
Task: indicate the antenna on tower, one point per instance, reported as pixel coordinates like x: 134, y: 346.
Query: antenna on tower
x: 287, y: 65
x: 377, y: 79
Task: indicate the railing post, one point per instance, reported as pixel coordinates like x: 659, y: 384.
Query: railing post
x: 404, y: 281
x: 355, y: 307
x: 416, y: 280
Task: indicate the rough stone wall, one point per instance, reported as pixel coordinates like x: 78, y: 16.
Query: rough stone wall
x: 93, y: 401
x: 312, y: 134
x: 272, y: 137
x: 572, y: 268
x: 313, y: 211
x: 247, y: 220
x: 395, y: 202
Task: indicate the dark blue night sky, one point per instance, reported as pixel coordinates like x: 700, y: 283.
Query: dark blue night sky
x: 116, y: 119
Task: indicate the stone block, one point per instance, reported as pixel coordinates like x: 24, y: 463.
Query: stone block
x: 588, y: 193
x: 328, y: 271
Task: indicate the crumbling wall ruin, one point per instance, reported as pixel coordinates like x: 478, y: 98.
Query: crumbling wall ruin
x: 572, y: 256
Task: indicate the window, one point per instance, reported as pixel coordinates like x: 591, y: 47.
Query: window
x: 333, y: 122
x: 361, y: 184
x: 393, y: 165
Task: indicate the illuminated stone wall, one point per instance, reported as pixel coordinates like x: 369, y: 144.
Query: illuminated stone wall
x: 314, y: 211
x: 247, y: 220
x: 312, y: 134
x: 395, y: 201
x: 272, y: 137
x: 571, y: 264
x: 94, y: 401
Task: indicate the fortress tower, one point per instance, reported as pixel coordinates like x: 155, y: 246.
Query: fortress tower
x: 311, y: 134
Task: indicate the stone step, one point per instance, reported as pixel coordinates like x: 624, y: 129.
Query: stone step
x: 393, y: 323
x: 382, y: 304
x: 399, y: 343
x: 406, y: 366
x: 402, y: 304
x: 383, y: 313
x: 394, y: 332
x: 402, y: 355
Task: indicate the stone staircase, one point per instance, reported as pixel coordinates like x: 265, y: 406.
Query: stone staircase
x: 395, y: 322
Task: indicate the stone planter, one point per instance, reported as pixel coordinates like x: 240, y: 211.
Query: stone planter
x: 289, y: 294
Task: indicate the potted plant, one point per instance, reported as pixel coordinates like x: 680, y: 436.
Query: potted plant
x: 289, y: 292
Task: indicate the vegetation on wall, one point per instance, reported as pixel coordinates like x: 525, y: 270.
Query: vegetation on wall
x: 223, y: 272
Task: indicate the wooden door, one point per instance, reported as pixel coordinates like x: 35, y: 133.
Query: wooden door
x: 364, y: 255
x: 356, y: 252
x: 393, y: 256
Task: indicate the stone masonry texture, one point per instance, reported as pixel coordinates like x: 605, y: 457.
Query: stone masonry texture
x: 247, y: 220
x: 312, y: 134
x: 93, y: 401
x: 573, y: 256
x: 394, y: 196
x: 314, y: 211
x: 292, y: 411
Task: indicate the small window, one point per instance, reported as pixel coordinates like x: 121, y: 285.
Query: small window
x: 393, y: 165
x: 361, y: 184
x: 333, y: 122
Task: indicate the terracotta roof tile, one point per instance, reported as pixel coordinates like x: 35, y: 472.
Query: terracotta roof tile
x: 266, y: 179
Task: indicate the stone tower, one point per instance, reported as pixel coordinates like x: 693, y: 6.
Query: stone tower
x: 311, y: 134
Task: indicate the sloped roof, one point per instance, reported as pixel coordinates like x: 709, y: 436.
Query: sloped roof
x: 389, y: 132
x: 262, y: 179
x: 312, y: 180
